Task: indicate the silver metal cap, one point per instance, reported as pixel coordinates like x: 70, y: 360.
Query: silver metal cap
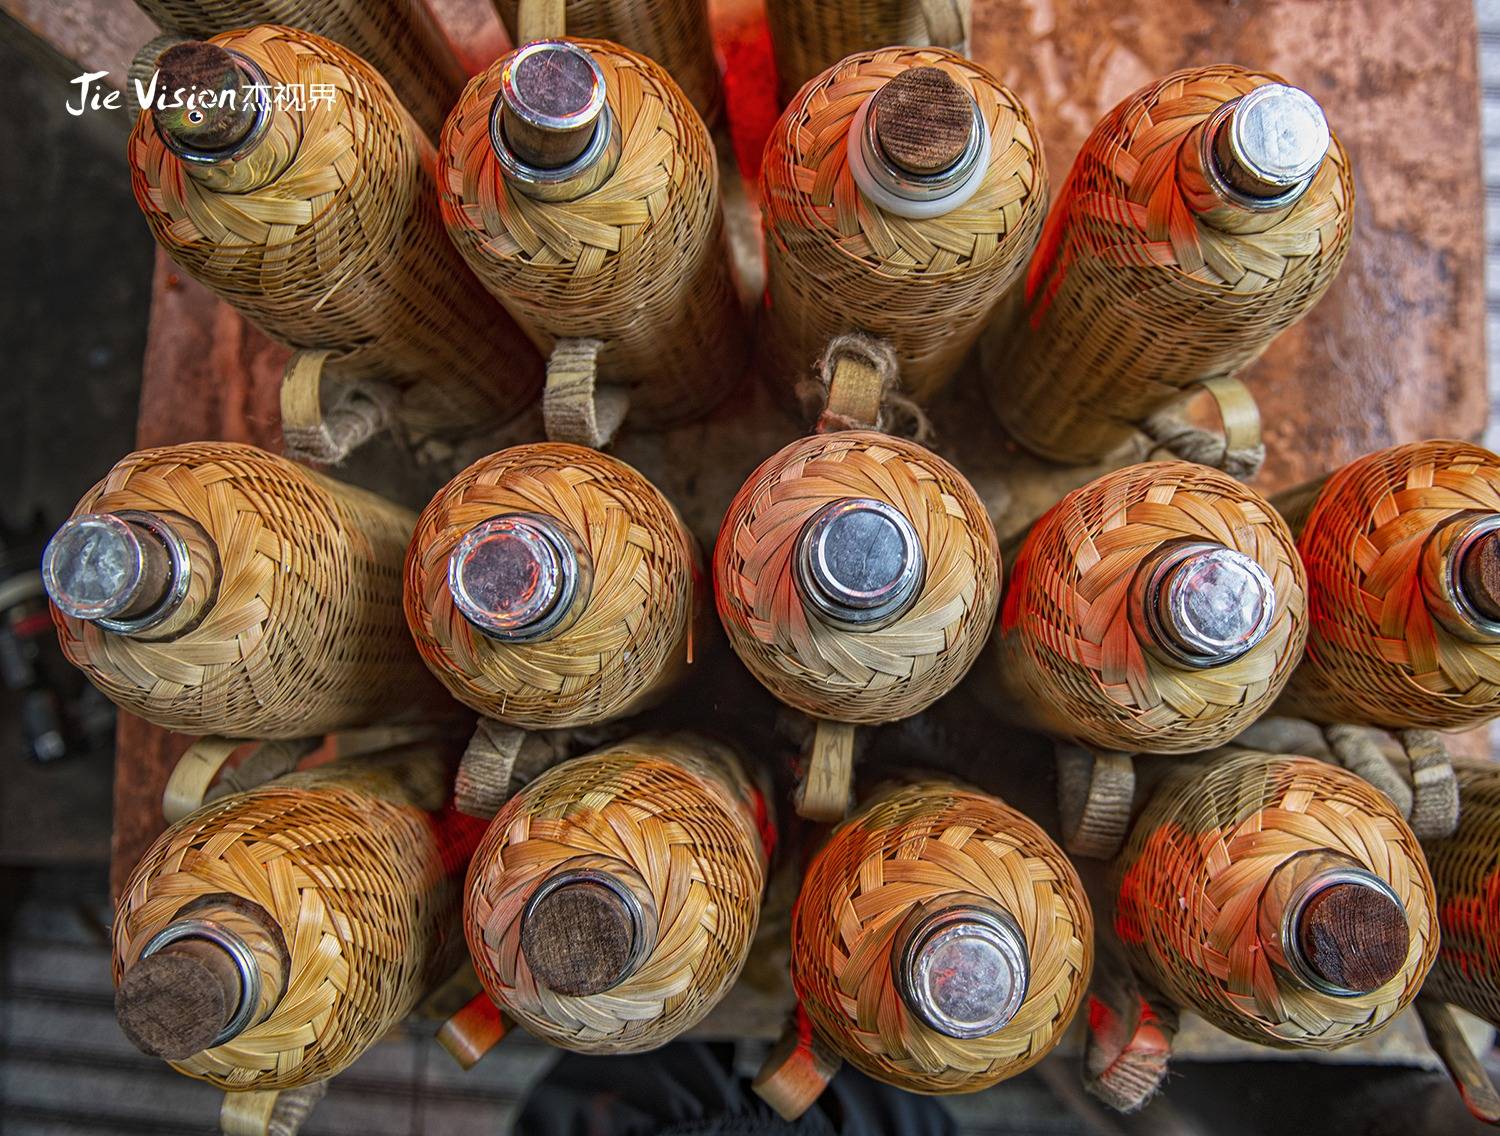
x: 517, y: 577
x: 859, y: 563
x: 1203, y: 604
x: 124, y: 571
x: 1262, y: 149
x: 963, y: 970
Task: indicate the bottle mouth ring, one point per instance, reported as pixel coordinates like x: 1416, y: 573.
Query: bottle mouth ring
x: 260, y: 87
x: 180, y: 574
x: 909, y: 195
x: 563, y: 578
x: 1461, y: 537
x: 1296, y: 905
x: 232, y: 945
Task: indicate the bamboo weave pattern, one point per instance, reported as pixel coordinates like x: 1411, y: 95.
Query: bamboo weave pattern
x: 361, y: 878
x: 1143, y: 285
x: 676, y: 818
x: 1069, y: 659
x: 631, y: 644
x: 327, y: 235
x: 1198, y: 861
x: 871, y: 676
x: 1466, y: 871
x: 640, y: 264
x: 921, y: 843
x: 397, y: 37
x: 1375, y: 654
x: 304, y: 632
x: 838, y: 263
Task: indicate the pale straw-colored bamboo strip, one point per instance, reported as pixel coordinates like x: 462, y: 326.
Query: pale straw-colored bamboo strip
x: 1466, y: 871
x: 1069, y: 660
x: 839, y: 263
x: 1139, y: 289
x: 639, y: 264
x: 1201, y: 855
x: 922, y: 843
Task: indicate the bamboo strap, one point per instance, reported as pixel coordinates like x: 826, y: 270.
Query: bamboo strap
x: 498, y: 761
x: 1468, y: 1073
x: 574, y: 408
x: 192, y: 779
x: 824, y: 793
x: 360, y: 411
x: 1434, y: 786
x: 540, y: 19
x: 1238, y: 449
x: 143, y: 66
x: 1094, y: 793
x: 472, y: 1032
x: 945, y: 22
x: 797, y: 1069
x: 268, y: 1112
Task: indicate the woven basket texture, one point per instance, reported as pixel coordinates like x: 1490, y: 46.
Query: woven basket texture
x: 397, y: 37
x: 809, y: 36
x: 1191, y: 878
x: 1375, y: 653
x: 871, y: 676
x: 838, y: 263
x: 635, y: 638
x: 1144, y: 284
x: 362, y: 878
x: 925, y: 842
x: 298, y: 631
x: 640, y: 264
x: 1466, y: 871
x: 328, y: 235
x: 674, y: 818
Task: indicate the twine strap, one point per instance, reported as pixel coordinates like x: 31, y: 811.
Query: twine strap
x: 573, y: 407
x: 1130, y: 1036
x: 1237, y: 448
x: 824, y: 793
x: 855, y: 374
x: 498, y: 761
x: 1434, y: 786
x: 1467, y: 1071
x: 270, y: 1113
x: 1357, y: 749
x: 359, y: 412
x: 540, y: 19
x: 472, y: 1032
x: 1094, y: 792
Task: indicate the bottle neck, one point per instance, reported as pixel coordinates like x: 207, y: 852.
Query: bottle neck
x: 1460, y: 576
x: 961, y: 965
x: 1199, y: 604
x: 214, y: 110
x: 520, y: 577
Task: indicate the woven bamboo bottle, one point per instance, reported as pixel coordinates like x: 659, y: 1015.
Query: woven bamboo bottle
x: 397, y: 37
x: 614, y: 899
x: 1281, y: 898
x: 1204, y: 215
x: 809, y: 36
x: 553, y: 586
x: 941, y: 943
x: 903, y: 192
x: 857, y: 576
x: 215, y: 588
x: 1402, y: 549
x: 322, y: 228
x: 603, y: 235
x: 271, y: 937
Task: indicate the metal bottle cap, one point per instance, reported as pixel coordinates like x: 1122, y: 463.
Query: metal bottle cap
x: 1202, y: 604
x: 1267, y: 145
x: 1381, y: 910
x: 124, y: 571
x: 584, y: 932
x: 232, y: 945
x: 859, y: 563
x: 964, y: 970
x: 517, y: 577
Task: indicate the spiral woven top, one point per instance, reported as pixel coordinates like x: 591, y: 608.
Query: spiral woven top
x: 1144, y: 283
x: 1466, y: 871
x: 327, y: 235
x: 839, y: 263
x: 639, y: 263
x: 925, y: 842
x: 304, y: 633
x: 362, y: 883
x: 1198, y: 861
x: 1375, y: 653
x: 675, y: 819
x: 633, y: 640
x: 848, y: 676
x: 1070, y: 660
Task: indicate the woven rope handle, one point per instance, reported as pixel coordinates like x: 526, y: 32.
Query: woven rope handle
x: 192, y: 782
x: 270, y: 1113
x: 359, y: 411
x: 824, y: 792
x: 472, y: 1032
x: 1434, y: 784
x: 574, y: 407
x: 1238, y: 448
x: 945, y: 23
x: 1467, y: 1071
x: 857, y: 384
x: 1094, y: 793
x: 797, y: 1069
x: 540, y: 19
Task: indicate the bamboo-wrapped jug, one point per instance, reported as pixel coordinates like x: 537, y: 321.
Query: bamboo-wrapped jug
x: 553, y: 586
x: 320, y: 225
x: 1282, y: 899
x: 941, y: 943
x: 1466, y: 872
x: 582, y: 188
x: 1204, y: 215
x: 270, y: 938
x: 1402, y: 549
x: 614, y: 899
x: 215, y: 588
x: 903, y: 192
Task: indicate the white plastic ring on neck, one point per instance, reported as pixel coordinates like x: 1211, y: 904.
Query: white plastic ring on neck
x: 904, y: 206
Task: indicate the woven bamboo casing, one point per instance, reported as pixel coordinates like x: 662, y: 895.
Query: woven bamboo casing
x: 1375, y: 652
x: 639, y: 264
x: 1466, y: 872
x: 921, y: 843
x: 327, y: 235
x: 360, y: 874
x: 828, y: 672
x: 1198, y: 862
x: 297, y: 632
x: 839, y: 263
x: 397, y: 37
x: 1139, y: 287
x: 635, y: 638
x: 1070, y: 661
x: 675, y: 33
x: 673, y: 816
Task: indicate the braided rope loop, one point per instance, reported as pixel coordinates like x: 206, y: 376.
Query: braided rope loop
x: 1466, y: 870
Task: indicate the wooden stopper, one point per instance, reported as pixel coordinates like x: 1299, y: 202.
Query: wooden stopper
x: 1480, y: 575
x: 553, y: 95
x: 196, y: 67
x: 1354, y: 936
x: 579, y: 939
x: 923, y: 120
x: 175, y: 1003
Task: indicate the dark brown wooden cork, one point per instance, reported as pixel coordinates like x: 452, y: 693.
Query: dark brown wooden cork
x: 201, y: 67
x: 173, y: 1004
x: 579, y: 939
x: 553, y: 83
x: 1480, y: 575
x: 923, y: 120
x: 1353, y: 936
